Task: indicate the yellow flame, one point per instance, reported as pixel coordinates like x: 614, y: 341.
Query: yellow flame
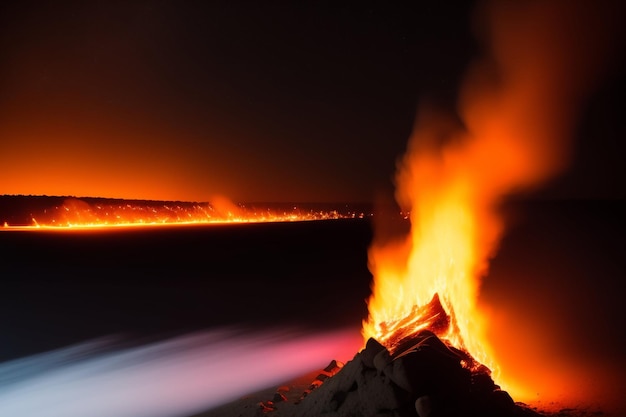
x: 516, y: 110
x: 443, y: 254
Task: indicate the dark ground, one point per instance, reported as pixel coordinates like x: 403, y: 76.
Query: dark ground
x: 62, y: 288
x: 565, y: 260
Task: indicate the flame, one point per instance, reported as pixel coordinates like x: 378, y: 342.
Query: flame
x: 75, y: 213
x: 452, y: 233
x: 516, y: 111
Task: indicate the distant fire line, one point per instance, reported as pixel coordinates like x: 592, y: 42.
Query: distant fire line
x: 98, y: 214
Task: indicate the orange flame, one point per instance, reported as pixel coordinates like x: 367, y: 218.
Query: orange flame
x: 452, y: 233
x: 91, y: 213
x: 516, y: 111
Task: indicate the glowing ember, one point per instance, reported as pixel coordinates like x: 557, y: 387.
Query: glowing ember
x: 102, y: 213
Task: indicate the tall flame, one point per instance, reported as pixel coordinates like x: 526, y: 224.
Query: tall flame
x: 516, y: 112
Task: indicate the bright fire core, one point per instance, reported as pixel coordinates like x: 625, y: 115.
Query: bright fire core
x: 441, y: 257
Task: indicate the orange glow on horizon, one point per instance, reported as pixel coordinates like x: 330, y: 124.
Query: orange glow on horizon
x: 77, y: 214
x: 107, y: 163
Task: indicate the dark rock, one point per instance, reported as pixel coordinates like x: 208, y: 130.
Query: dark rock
x: 334, y: 392
x: 333, y: 367
x: 429, y: 369
x: 423, y: 406
x: 382, y: 360
x: 427, y: 379
x: 376, y: 393
x: 372, y: 348
x: 278, y: 398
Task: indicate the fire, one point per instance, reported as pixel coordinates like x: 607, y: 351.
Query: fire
x: 451, y: 235
x: 93, y: 213
x: 516, y: 111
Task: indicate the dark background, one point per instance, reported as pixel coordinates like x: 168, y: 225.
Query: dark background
x: 309, y: 102
x: 63, y: 288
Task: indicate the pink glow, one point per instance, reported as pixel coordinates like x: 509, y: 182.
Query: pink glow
x: 172, y: 378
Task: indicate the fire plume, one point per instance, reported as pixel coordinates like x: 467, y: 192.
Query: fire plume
x: 515, y: 115
x: 452, y: 234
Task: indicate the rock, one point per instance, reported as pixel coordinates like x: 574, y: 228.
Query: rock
x: 278, y: 398
x: 377, y: 393
x: 500, y: 403
x: 397, y: 373
x: 423, y: 406
x: 334, y: 391
x: 381, y: 360
x: 427, y: 379
x: 427, y: 370
x: 372, y: 348
x: 333, y: 367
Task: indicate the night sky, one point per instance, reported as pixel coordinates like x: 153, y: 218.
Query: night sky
x: 187, y: 100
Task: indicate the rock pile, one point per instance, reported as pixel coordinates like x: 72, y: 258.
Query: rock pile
x: 427, y: 379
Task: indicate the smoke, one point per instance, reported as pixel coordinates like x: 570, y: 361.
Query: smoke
x: 225, y: 208
x: 517, y: 114
x: 171, y: 378
x: 519, y: 108
x: 518, y: 105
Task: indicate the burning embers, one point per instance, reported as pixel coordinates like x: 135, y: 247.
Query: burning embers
x: 413, y: 371
x: 431, y: 317
x: 62, y: 213
x: 421, y: 375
